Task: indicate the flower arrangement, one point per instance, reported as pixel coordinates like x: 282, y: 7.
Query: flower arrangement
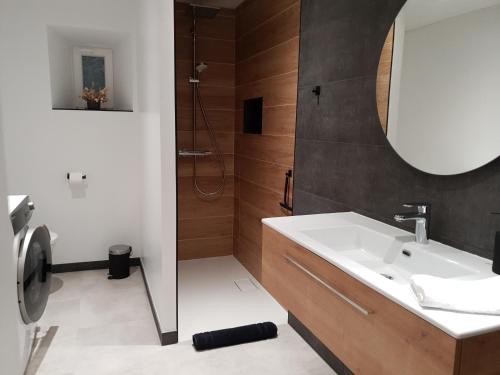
x: 93, y: 95
x: 94, y: 98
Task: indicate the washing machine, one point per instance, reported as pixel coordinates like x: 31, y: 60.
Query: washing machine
x: 33, y: 261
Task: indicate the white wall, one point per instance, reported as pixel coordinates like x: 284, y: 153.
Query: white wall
x: 10, y: 354
x: 156, y: 105
x: 129, y: 157
x: 449, y: 97
x: 41, y: 145
x: 61, y: 69
x: 169, y: 165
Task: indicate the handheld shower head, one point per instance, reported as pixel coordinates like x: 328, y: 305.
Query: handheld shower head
x: 201, y: 67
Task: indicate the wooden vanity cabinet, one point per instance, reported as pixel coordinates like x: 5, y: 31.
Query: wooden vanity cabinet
x: 367, y: 331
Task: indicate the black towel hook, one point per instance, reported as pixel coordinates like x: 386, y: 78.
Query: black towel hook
x: 317, y: 91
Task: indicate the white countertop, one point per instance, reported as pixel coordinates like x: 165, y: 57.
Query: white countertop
x: 458, y: 325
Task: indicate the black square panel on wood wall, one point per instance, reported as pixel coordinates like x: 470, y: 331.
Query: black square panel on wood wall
x: 252, y: 116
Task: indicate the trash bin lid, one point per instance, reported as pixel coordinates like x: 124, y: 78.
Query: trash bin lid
x: 120, y: 249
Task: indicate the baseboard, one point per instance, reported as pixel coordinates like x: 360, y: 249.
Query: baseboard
x: 166, y: 338
x: 330, y: 358
x: 88, y: 266
x: 169, y: 338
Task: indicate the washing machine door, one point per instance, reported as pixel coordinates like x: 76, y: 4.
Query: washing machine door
x: 34, y: 273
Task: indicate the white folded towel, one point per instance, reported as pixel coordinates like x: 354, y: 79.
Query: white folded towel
x: 470, y: 296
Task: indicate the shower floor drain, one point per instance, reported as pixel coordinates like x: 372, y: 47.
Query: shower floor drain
x: 245, y: 285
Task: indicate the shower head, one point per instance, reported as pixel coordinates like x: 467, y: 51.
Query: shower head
x: 204, y: 11
x: 201, y: 67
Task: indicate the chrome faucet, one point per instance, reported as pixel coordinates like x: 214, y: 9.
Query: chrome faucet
x: 422, y: 220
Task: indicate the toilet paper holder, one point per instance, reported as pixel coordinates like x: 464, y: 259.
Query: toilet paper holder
x: 83, y: 176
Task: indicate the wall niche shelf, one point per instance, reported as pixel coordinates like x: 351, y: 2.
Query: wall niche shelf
x: 90, y: 110
x: 79, y: 58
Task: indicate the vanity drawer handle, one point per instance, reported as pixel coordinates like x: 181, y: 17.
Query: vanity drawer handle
x: 327, y: 286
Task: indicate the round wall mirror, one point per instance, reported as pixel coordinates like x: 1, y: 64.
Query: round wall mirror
x: 438, y: 85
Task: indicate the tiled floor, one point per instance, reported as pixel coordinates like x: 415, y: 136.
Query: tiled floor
x: 88, y: 314
x: 102, y: 327
x: 209, y: 298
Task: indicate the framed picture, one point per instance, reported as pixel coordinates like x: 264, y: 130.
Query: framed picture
x: 93, y: 68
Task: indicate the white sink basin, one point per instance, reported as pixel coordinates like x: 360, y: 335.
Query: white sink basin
x: 384, y: 258
x: 392, y: 257
x: 357, y: 241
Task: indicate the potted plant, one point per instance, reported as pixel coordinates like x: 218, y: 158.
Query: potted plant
x: 94, y: 98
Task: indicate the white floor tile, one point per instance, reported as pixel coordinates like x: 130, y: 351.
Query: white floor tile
x: 286, y: 355
x: 64, y: 313
x: 105, y: 307
x: 139, y: 332
x: 209, y: 298
x: 105, y: 327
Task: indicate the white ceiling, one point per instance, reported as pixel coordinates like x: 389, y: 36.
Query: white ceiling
x: 231, y: 4
x: 418, y: 13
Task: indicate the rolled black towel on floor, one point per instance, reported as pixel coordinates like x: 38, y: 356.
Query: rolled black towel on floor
x: 235, y: 336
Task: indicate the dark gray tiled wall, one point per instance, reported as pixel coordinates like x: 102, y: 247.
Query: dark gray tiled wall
x: 343, y: 160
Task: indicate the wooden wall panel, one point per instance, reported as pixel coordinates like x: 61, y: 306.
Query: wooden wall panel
x: 261, y: 173
x: 206, y: 227
x: 224, y: 140
x: 250, y: 255
x: 191, y: 206
x: 198, y: 248
x: 236, y: 222
x: 218, y: 74
x: 274, y: 149
x: 267, y: 46
x: 185, y: 186
x: 206, y: 168
x: 260, y: 197
x: 221, y: 119
x: 275, y: 61
x: 279, y: 29
x: 214, y: 97
x: 208, y: 50
x: 252, y: 14
x: 251, y: 216
x: 220, y: 27
x: 276, y: 90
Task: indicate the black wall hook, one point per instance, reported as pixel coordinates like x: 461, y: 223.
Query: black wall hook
x: 317, y: 91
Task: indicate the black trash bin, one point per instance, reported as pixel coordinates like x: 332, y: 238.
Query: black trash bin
x: 119, y: 261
